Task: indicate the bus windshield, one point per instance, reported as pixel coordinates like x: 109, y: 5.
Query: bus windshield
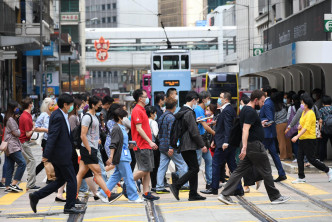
x: 218, y: 83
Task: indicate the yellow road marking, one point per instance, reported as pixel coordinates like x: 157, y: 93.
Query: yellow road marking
x: 299, y: 217
x: 9, y: 198
x: 305, y: 187
x: 254, y: 193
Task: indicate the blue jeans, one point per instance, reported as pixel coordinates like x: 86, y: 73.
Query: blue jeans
x: 4, y: 168
x: 123, y: 169
x: 270, y: 145
x: 84, y: 186
x: 163, y: 166
x: 13, y: 158
x: 208, y: 164
x: 295, y: 148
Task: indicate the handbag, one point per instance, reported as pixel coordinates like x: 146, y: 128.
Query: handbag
x: 49, y: 171
x: 294, y: 129
x: 3, y: 146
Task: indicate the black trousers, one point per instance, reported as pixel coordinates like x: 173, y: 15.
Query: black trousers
x: 190, y: 157
x: 133, y: 160
x: 307, y: 148
x: 251, y: 176
x: 40, y: 166
x: 256, y: 156
x: 323, y: 146
x: 63, y: 174
x: 153, y: 174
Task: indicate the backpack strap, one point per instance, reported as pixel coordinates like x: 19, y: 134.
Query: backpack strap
x: 90, y: 118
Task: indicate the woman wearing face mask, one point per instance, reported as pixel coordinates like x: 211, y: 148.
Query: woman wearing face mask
x: 13, y: 152
x: 151, y: 111
x: 74, y: 116
x: 307, y: 141
x: 120, y: 158
x: 46, y: 109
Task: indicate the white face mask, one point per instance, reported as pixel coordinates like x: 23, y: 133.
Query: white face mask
x: 155, y: 117
x: 176, y: 97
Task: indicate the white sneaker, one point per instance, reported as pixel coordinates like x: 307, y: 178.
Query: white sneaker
x: 138, y: 200
x: 281, y: 200
x: 226, y: 199
x: 294, y: 161
x: 298, y: 180
x: 102, y: 198
x: 329, y: 174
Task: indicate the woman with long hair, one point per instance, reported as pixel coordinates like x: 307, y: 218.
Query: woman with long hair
x: 14, y: 149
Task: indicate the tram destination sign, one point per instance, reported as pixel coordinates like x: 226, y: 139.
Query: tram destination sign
x: 171, y: 82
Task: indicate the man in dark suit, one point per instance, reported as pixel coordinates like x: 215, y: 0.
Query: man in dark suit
x: 58, y: 151
x: 223, y: 152
x: 267, y: 113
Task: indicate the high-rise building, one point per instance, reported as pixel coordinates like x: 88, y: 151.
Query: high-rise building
x: 175, y: 13
x: 213, y: 4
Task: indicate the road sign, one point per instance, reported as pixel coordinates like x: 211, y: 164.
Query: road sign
x: 258, y: 51
x: 328, y: 22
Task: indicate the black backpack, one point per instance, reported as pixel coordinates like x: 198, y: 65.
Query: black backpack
x: 76, y: 133
x: 178, y: 129
x: 327, y: 125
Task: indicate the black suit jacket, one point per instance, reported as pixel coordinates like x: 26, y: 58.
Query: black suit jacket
x: 58, y: 148
x: 224, y: 126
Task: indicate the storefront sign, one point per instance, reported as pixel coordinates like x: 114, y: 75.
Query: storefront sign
x: 102, y: 49
x: 70, y: 17
x: 258, y: 51
x: 307, y: 25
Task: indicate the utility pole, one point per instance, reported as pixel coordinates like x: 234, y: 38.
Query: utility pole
x: 60, y: 65
x: 41, y: 71
x: 69, y: 72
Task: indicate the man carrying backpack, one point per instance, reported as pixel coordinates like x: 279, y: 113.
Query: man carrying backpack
x: 167, y: 153
x: 326, y: 113
x: 190, y: 141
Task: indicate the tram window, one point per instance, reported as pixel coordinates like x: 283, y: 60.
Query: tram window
x: 156, y: 62
x: 182, y: 98
x: 184, y: 62
x: 171, y: 62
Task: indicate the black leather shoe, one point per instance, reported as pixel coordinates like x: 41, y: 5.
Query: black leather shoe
x: 210, y: 191
x: 174, y: 191
x: 280, y: 178
x: 196, y: 197
x: 59, y: 200
x: 239, y: 193
x: 73, y: 210
x: 175, y: 178
x: 207, y: 186
x: 33, y: 202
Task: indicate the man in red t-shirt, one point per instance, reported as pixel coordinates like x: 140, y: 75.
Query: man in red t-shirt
x: 141, y: 133
x: 27, y: 128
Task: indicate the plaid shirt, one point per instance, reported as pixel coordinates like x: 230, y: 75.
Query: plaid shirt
x: 165, y: 123
x: 325, y: 111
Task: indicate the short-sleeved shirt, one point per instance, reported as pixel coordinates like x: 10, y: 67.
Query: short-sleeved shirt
x: 139, y: 116
x: 25, y: 125
x: 42, y: 122
x: 93, y: 131
x: 200, y: 113
x: 308, y: 122
x: 249, y: 115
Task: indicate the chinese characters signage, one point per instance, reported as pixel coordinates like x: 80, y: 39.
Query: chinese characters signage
x: 70, y: 17
x: 102, y: 47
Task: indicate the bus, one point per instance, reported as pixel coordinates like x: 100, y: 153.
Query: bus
x: 218, y: 82
x: 146, y: 84
x: 170, y: 69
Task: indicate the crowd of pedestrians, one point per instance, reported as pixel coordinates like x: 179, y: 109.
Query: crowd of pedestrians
x: 84, y: 137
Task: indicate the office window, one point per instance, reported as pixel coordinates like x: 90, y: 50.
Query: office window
x: 103, y: 7
x: 114, y: 5
x: 69, y: 5
x: 114, y: 19
x: 108, y: 6
x: 109, y: 20
x: 99, y: 74
x: 103, y: 20
x: 104, y: 74
x: 87, y: 8
x: 93, y: 74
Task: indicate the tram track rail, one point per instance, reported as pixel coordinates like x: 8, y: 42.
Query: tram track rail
x: 320, y: 203
x: 153, y: 212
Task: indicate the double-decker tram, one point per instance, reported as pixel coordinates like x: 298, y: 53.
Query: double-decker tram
x: 170, y: 69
